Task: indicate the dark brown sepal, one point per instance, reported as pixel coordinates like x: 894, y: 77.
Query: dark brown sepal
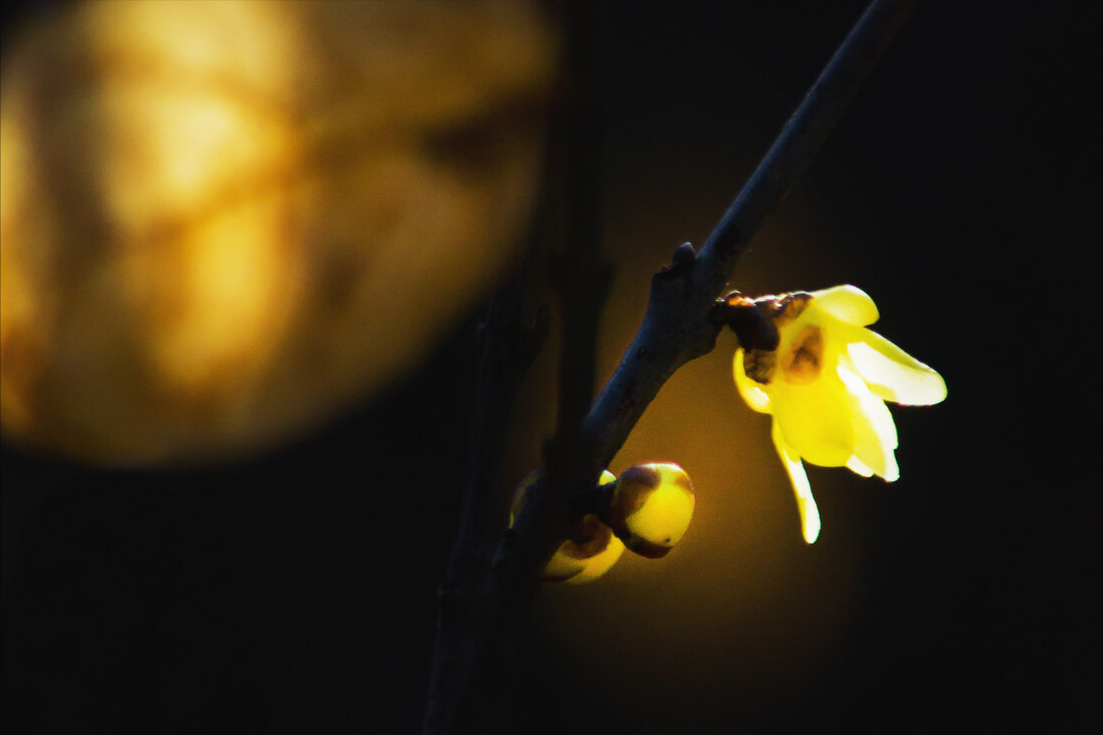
x: 749, y: 319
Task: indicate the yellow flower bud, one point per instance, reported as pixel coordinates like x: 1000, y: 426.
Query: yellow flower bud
x: 651, y: 508
x: 589, y: 551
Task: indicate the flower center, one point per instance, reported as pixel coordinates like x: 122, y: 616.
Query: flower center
x: 803, y: 362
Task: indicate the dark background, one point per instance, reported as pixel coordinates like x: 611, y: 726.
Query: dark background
x: 295, y: 591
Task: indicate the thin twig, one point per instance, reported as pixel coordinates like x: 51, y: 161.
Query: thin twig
x: 676, y: 327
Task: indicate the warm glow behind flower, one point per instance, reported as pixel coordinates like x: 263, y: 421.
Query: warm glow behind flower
x: 826, y: 385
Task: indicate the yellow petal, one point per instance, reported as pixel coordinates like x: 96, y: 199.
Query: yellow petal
x: 806, y: 504
x: 849, y: 304
x: 563, y: 567
x: 874, y: 430
x: 855, y: 465
x: 590, y: 541
x: 815, y: 418
x: 892, y: 373
x: 600, y: 564
x: 750, y: 390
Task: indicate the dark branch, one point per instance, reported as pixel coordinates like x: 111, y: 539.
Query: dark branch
x: 508, y: 345
x: 676, y: 327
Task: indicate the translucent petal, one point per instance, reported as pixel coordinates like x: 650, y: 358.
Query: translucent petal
x: 892, y: 373
x: 750, y: 390
x: 849, y: 304
x: 815, y: 418
x: 874, y: 429
x: 806, y: 504
x: 855, y: 465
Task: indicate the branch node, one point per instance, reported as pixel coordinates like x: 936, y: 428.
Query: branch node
x: 754, y: 329
x: 681, y: 263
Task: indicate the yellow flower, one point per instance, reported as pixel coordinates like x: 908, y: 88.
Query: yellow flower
x: 826, y: 383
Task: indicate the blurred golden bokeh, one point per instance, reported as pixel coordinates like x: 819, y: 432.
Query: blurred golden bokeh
x: 223, y: 221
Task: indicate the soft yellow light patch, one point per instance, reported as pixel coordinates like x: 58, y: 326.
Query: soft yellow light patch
x: 233, y: 289
x: 207, y: 207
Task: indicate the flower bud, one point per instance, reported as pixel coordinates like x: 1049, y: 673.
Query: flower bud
x: 651, y: 508
x: 589, y: 551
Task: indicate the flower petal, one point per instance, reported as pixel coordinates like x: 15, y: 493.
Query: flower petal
x: 874, y: 430
x: 855, y: 465
x: 562, y: 567
x: 849, y: 304
x: 892, y: 373
x: 815, y: 418
x: 600, y: 564
x: 806, y: 504
x: 750, y: 390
